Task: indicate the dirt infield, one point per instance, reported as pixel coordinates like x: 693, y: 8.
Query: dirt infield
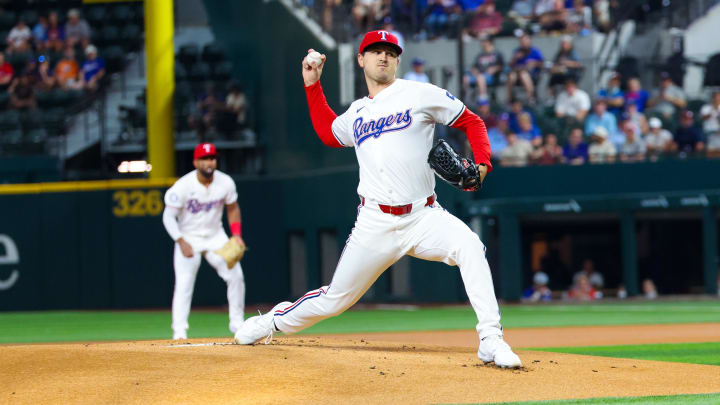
x: 339, y: 369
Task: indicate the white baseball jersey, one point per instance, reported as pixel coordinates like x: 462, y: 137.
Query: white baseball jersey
x: 201, y: 208
x: 392, y: 139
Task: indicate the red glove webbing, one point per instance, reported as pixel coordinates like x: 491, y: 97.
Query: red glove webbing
x: 321, y: 114
x: 474, y: 128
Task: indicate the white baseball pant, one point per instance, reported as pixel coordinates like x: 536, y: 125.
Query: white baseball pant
x: 186, y: 269
x: 380, y: 239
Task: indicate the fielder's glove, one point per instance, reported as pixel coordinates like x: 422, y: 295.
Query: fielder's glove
x: 231, y: 252
x: 458, y: 171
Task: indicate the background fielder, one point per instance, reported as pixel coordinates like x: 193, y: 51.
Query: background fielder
x: 193, y: 218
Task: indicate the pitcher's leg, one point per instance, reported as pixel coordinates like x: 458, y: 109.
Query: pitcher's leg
x: 185, y: 272
x: 356, y: 271
x: 440, y: 236
x: 235, y: 288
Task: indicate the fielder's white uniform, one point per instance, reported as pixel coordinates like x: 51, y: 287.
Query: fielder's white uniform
x: 194, y: 212
x: 392, y: 134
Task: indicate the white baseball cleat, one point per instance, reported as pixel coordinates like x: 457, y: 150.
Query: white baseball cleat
x: 258, y: 327
x: 494, y: 349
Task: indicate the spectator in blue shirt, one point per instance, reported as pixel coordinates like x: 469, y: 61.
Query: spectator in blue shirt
x: 93, y: 69
x: 636, y: 94
x: 525, y: 67
x: 614, y: 97
x: 576, y: 151
x: 600, y: 117
x: 516, y: 109
x: 528, y: 131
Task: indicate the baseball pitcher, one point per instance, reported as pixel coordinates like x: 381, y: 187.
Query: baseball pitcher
x: 193, y: 219
x: 392, y: 132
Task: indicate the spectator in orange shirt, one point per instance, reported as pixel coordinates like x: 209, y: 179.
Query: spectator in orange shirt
x: 66, y: 71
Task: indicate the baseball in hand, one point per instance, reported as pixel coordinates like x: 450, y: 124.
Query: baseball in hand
x: 313, y: 56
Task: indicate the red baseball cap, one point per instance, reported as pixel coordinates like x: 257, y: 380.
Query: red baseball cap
x: 380, y: 36
x: 204, y: 150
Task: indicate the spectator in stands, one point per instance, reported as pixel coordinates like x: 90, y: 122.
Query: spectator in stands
x: 636, y: 94
x: 575, y: 152
x: 579, y: 18
x: 601, y: 11
x: 55, y: 33
x: 573, y: 103
x: 633, y: 150
x: 648, y: 287
x: 613, y: 95
x: 637, y: 118
x: 18, y: 39
x: 549, y: 153
x: 497, y: 136
x: 485, y: 21
x: 39, y: 33
x: 207, y: 107
x: 486, y: 69
x: 668, y: 98
x: 565, y: 66
x: 77, y: 30
x: 582, y: 290
x: 710, y: 114
x: 522, y: 12
x: 525, y: 68
x: 657, y: 140
x: 6, y: 73
x: 442, y: 14
x: 517, y: 152
x: 67, y: 71
x: 688, y: 138
x: 389, y: 26
x: 528, y: 131
x: 539, y: 290
x: 551, y: 15
x: 594, y: 277
x: 600, y: 117
x: 93, y: 69
x: 484, y: 112
x: 22, y: 95
x: 404, y: 14
x: 236, y: 103
x: 43, y: 78
x: 601, y: 149
x: 417, y: 73
x: 516, y: 109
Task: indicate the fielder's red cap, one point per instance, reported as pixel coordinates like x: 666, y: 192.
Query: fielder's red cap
x: 204, y: 150
x: 377, y: 37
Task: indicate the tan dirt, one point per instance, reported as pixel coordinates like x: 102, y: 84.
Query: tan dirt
x: 345, y: 369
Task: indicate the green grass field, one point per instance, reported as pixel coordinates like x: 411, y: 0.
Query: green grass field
x: 64, y: 326
x: 702, y: 399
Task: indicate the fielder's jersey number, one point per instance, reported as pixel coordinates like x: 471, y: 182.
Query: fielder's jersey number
x: 137, y: 203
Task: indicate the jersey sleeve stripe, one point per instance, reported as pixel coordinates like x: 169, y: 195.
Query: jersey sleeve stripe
x: 457, y: 116
x: 336, y: 137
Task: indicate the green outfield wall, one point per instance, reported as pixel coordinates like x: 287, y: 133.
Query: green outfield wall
x: 102, y: 244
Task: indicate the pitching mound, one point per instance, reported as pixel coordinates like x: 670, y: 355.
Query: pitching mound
x: 304, y: 369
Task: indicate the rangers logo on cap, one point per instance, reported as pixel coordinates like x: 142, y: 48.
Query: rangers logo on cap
x: 377, y: 37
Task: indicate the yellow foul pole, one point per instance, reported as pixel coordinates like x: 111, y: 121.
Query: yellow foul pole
x: 160, y: 62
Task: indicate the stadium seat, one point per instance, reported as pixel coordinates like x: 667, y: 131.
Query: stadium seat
x: 30, y: 17
x: 31, y: 120
x: 222, y: 72
x: 114, y: 59
x: 33, y: 141
x: 181, y: 73
x: 131, y: 36
x: 18, y: 60
x: 188, y: 54
x: 628, y: 67
x: 122, y: 13
x: 4, y: 98
x: 11, y: 141
x: 96, y: 14
x: 695, y: 105
x: 9, y: 121
x: 213, y: 53
x: 7, y: 20
x: 712, y: 71
x: 54, y: 121
x: 109, y: 35
x: 199, y: 72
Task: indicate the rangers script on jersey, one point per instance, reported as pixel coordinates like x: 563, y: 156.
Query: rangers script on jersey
x: 201, y: 208
x: 392, y: 138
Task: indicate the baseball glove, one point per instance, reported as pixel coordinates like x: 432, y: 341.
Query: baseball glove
x: 231, y: 252
x: 458, y: 171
